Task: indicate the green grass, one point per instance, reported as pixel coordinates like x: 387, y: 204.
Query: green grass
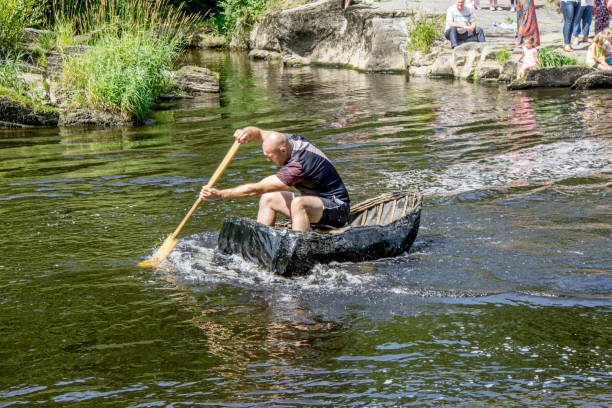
x: 122, y: 74
x: 553, y: 57
x: 65, y: 33
x: 134, y: 45
x: 31, y: 103
x: 9, y: 74
x: 12, y: 86
x: 423, y: 31
x: 502, y: 55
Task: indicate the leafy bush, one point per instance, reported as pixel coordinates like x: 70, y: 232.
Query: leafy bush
x: 135, y: 43
x: 15, y: 15
x: 122, y: 74
x: 552, y: 57
x: 234, y: 11
x: 502, y: 55
x: 423, y: 31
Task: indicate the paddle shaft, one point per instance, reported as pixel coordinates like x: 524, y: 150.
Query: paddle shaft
x: 228, y: 158
x: 168, y: 245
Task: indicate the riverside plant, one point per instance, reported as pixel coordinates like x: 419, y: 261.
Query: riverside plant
x: 238, y: 16
x: 423, y: 30
x: 15, y: 15
x: 134, y: 45
x: 552, y: 57
x: 502, y: 55
x: 122, y: 74
x: 16, y: 88
x: 10, y: 70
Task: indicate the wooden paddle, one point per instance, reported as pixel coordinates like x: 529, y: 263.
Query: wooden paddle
x: 170, y: 242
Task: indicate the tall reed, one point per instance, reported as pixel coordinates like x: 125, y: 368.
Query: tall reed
x: 135, y: 43
x: 97, y: 16
x: 122, y: 74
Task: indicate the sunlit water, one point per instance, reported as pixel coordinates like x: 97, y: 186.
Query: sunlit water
x: 504, y: 299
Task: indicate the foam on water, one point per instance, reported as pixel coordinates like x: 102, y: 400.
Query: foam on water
x: 195, y: 262
x: 387, y: 286
x: 542, y: 164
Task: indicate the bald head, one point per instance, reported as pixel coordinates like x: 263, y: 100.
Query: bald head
x: 277, y: 148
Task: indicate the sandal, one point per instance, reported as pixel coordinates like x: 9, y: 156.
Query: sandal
x: 567, y: 48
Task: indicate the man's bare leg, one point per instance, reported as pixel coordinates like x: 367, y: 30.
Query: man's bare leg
x: 304, y: 210
x: 272, y: 203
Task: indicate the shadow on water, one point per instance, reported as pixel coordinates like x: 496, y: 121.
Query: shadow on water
x: 504, y: 298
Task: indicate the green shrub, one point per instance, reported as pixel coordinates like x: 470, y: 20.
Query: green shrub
x: 502, y: 55
x: 245, y: 12
x: 423, y: 31
x: 122, y: 74
x: 553, y: 57
x: 10, y: 69
x: 134, y: 45
x: 15, y: 15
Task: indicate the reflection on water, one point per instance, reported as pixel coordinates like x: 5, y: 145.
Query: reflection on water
x: 504, y: 298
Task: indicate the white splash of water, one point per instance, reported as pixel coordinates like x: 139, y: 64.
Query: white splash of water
x: 535, y: 165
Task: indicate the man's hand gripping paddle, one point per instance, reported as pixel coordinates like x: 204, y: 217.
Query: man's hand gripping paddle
x: 164, y: 250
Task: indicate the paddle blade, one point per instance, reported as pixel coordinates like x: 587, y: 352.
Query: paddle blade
x: 162, y: 253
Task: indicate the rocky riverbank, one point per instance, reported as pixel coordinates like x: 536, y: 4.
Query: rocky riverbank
x: 374, y: 36
x: 368, y: 36
x: 58, y: 108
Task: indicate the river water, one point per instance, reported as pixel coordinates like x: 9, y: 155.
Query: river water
x: 504, y: 299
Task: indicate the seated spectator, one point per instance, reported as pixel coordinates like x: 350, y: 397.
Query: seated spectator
x: 529, y: 57
x: 595, y: 54
x: 608, y: 45
x: 460, y: 25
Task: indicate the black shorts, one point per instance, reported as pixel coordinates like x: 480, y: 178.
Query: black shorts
x: 335, y: 212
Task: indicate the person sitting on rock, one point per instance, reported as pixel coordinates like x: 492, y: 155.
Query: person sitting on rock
x: 595, y: 54
x: 529, y: 57
x: 608, y: 45
x: 460, y: 25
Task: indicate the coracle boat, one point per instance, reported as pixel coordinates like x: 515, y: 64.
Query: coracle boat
x: 380, y: 227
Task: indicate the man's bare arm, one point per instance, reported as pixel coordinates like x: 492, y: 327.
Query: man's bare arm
x: 252, y: 133
x: 267, y: 185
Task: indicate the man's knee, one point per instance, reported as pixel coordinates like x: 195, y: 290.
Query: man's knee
x: 298, y: 204
x: 308, y: 204
x: 447, y: 33
x: 268, y: 199
x: 479, y: 33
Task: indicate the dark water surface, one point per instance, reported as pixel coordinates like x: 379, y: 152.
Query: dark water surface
x: 504, y: 300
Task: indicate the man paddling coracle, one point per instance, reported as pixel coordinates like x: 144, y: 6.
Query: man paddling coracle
x: 323, y: 197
